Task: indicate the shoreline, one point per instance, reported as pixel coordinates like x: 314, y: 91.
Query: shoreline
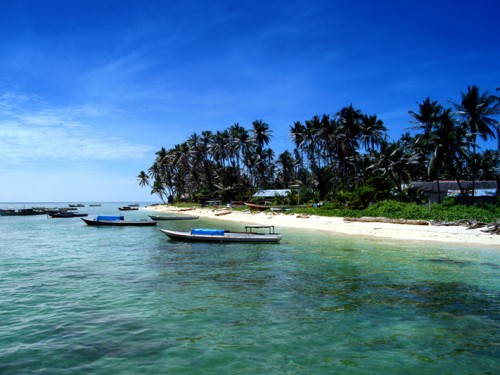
x: 457, y: 235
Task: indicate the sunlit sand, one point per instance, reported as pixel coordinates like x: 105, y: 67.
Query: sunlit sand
x: 444, y: 234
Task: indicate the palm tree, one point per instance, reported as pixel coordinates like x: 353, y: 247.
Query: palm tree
x: 143, y: 179
x: 394, y: 163
x: 348, y: 134
x: 427, y: 115
x: 287, y: 163
x: 373, y: 131
x: 239, y: 139
x: 476, y: 110
x: 297, y: 134
x: 261, y: 134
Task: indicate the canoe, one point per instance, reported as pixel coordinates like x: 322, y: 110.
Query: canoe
x: 128, y: 208
x: 173, y: 217
x: 118, y: 221
x: 221, y: 235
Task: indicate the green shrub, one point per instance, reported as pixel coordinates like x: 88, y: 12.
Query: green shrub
x: 399, y: 210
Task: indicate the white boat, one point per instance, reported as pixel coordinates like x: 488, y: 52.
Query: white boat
x: 221, y: 235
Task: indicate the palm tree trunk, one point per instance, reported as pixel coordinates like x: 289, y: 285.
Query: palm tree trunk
x: 474, y: 171
x: 439, y: 190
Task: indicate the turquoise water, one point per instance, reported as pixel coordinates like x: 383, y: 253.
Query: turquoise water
x: 77, y: 299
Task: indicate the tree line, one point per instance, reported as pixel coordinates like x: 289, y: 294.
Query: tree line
x: 335, y: 155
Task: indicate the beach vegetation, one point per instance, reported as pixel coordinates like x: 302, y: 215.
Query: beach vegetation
x: 392, y: 209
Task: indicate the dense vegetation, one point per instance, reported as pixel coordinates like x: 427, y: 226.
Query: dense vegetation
x: 346, y: 159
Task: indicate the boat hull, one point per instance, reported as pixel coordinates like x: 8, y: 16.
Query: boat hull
x: 67, y: 214
x: 22, y: 212
x: 184, y: 217
x: 120, y: 223
x: 226, y: 237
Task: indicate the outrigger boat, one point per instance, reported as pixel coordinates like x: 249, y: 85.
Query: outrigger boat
x: 221, y: 235
x: 118, y: 221
x: 174, y: 217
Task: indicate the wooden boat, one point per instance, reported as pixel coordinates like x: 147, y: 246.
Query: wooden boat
x: 22, y: 212
x: 62, y: 214
x: 221, y: 235
x: 128, y: 208
x: 173, y: 217
x: 260, y: 207
x: 118, y: 221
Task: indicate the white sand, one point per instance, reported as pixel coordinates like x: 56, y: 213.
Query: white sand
x: 446, y: 234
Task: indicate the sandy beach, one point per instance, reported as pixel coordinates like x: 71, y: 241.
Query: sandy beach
x: 444, y: 234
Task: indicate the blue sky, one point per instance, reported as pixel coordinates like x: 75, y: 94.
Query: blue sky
x: 90, y: 90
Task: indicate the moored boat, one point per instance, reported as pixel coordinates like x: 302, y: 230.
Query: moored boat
x: 105, y: 220
x: 221, y: 235
x: 173, y: 217
x: 22, y: 212
x: 128, y: 208
x: 260, y: 207
x: 64, y: 214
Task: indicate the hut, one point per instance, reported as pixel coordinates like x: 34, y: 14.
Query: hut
x: 269, y: 195
x: 484, y: 191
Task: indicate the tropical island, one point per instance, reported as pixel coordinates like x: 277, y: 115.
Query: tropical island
x: 345, y: 165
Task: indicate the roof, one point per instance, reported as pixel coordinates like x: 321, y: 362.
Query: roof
x: 272, y: 193
x: 453, y: 185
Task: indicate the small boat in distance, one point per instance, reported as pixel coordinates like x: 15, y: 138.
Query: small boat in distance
x: 174, y: 217
x: 76, y: 205
x: 105, y: 220
x: 94, y: 205
x: 130, y: 207
x: 221, y: 235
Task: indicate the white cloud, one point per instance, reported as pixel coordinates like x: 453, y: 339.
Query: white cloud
x: 58, y: 134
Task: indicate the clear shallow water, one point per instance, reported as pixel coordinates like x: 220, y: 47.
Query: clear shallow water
x: 77, y: 299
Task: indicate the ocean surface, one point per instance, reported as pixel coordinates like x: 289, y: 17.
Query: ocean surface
x: 76, y: 299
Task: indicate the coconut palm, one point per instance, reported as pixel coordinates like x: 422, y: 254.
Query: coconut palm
x: 373, y: 131
x: 475, y: 110
x: 286, y: 173
x: 261, y: 134
x: 143, y: 179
